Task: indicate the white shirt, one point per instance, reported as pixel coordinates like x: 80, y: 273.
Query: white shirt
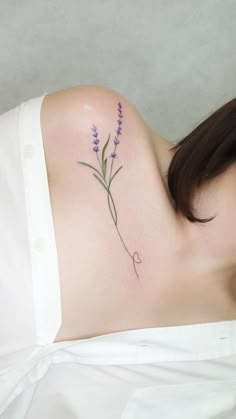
x: 180, y: 372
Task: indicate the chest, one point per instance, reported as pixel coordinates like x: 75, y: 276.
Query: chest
x: 104, y: 259
x: 105, y: 286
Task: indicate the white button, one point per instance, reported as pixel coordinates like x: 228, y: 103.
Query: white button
x: 39, y: 244
x: 28, y: 151
x: 144, y: 344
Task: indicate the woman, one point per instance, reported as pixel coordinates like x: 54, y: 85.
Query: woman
x: 111, y: 264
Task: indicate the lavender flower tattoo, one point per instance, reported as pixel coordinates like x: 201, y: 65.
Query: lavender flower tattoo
x: 102, y: 179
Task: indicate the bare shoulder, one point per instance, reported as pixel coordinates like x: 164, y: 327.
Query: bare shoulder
x: 84, y: 101
x: 68, y: 120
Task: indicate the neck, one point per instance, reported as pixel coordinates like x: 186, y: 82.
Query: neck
x: 201, y: 245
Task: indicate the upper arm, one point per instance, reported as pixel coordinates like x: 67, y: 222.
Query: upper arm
x: 67, y: 119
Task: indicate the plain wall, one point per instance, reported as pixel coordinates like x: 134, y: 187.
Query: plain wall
x: 173, y: 59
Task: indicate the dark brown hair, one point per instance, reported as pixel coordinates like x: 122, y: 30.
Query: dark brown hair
x: 203, y: 154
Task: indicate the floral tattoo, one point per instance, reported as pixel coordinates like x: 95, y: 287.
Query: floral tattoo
x: 102, y: 176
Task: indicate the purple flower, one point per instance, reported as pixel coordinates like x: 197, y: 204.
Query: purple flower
x: 96, y: 140
x: 118, y: 131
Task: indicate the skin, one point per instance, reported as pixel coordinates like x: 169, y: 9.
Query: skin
x: 186, y: 271
x: 216, y: 198
x: 212, y: 245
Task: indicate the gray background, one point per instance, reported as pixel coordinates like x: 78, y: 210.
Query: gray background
x: 173, y: 59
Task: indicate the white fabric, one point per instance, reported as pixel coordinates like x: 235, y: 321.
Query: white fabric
x: 181, y: 372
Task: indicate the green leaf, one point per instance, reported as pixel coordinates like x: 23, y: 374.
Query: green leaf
x: 104, y: 168
x: 103, y: 150
x: 89, y: 165
x: 100, y: 181
x: 114, y: 175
